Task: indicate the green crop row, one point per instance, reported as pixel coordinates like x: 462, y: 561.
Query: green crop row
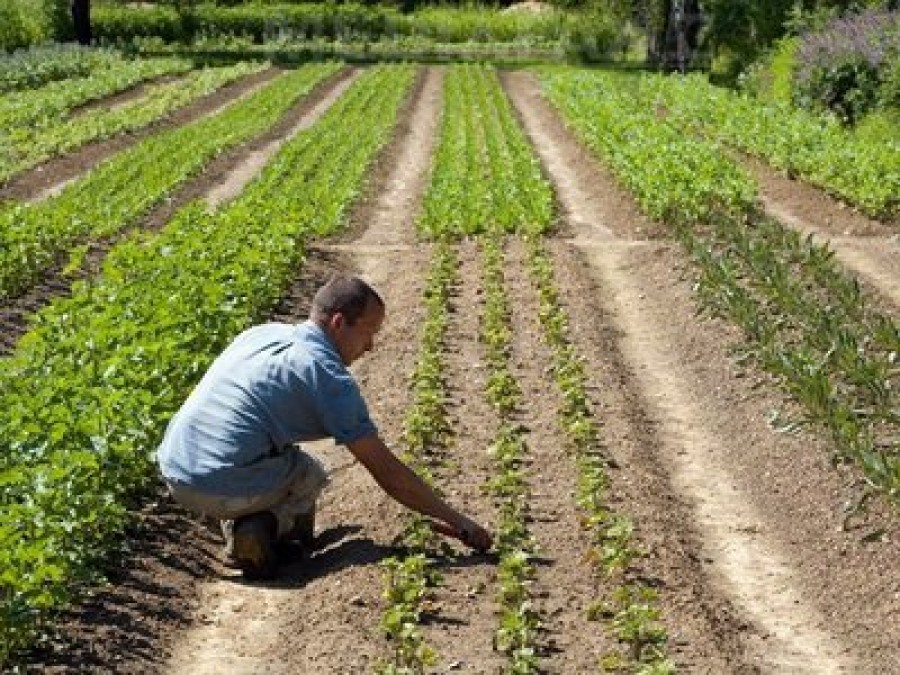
x: 426, y: 428
x: 632, y: 610
x: 30, y: 68
x: 519, y: 623
x: 818, y: 149
x: 485, y: 173
x: 124, y: 188
x: 808, y: 323
x: 50, y: 103
x: 88, y: 392
x: 672, y: 176
x: 30, y: 146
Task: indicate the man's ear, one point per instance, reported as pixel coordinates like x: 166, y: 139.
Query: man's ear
x: 336, y: 321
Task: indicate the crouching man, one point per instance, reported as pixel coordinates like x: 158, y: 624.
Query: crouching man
x: 231, y: 450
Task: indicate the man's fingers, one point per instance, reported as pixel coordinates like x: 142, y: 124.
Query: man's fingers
x: 478, y: 539
x: 445, y: 529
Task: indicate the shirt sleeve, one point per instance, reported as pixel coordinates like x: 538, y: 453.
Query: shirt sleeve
x: 342, y: 409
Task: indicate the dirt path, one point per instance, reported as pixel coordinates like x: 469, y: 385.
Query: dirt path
x: 867, y: 248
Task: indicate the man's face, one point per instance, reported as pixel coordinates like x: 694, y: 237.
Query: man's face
x: 353, y: 341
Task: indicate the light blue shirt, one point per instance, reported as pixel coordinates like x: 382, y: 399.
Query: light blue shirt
x: 275, y: 385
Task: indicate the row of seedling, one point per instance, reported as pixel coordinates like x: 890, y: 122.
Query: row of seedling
x: 54, y: 101
x: 484, y: 170
x: 519, y: 623
x: 810, y: 326
x: 89, y: 390
x: 807, y: 321
x: 631, y: 609
x: 410, y: 576
x: 123, y: 189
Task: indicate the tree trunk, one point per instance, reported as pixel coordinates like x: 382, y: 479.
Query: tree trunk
x: 81, y: 19
x: 673, y: 37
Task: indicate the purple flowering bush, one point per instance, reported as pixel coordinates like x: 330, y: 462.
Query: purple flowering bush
x: 851, y: 66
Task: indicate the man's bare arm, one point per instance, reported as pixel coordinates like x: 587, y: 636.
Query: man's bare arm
x: 401, y: 483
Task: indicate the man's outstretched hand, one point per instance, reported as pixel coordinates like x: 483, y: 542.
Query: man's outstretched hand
x: 469, y: 533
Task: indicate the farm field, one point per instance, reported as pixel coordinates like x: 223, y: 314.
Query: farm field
x: 656, y: 508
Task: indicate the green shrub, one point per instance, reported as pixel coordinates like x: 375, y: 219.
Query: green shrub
x: 850, y: 66
x: 22, y: 24
x: 593, y: 37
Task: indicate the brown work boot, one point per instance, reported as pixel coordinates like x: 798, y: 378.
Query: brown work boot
x: 253, y: 545
x: 298, y: 542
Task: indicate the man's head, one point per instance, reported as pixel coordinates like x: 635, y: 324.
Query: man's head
x: 351, y: 312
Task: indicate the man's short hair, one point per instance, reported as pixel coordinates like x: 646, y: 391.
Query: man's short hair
x: 343, y: 294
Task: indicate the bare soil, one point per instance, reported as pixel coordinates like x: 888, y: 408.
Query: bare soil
x: 743, y: 527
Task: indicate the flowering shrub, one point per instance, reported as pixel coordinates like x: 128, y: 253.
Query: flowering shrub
x: 845, y: 66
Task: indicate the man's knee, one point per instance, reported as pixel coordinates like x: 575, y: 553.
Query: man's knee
x: 312, y: 476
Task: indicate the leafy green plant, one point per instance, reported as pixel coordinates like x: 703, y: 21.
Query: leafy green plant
x: 519, y: 622
x: 485, y: 173
x: 32, y: 144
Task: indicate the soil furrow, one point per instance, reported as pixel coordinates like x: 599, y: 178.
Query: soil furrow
x: 461, y: 627
x: 565, y: 586
x: 226, y: 169
x: 389, y: 217
x: 120, y: 98
x: 52, y: 176
x: 254, y: 161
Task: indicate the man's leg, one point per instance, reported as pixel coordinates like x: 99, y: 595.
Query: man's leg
x: 296, y: 512
x: 249, y: 527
